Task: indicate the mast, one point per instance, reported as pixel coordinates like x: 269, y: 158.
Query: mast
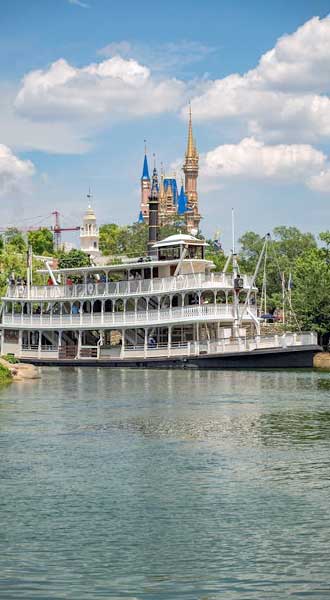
x: 236, y: 279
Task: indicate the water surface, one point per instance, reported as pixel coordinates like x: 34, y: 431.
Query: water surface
x: 157, y: 485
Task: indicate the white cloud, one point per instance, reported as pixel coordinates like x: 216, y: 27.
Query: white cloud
x: 105, y: 91
x: 21, y: 133
x: 79, y: 3
x: 163, y: 57
x: 321, y: 181
x: 251, y: 159
x: 300, y: 60
x: 283, y: 98
x: 13, y: 170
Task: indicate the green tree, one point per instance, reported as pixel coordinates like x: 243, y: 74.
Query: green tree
x: 310, y: 293
x: 14, y: 240
x: 109, y: 239
x: 41, y: 241
x: 73, y: 259
x: 286, y: 246
x: 11, y: 262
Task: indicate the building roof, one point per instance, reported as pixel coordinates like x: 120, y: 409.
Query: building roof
x: 145, y: 170
x: 180, y: 239
x: 141, y: 217
x: 89, y: 214
x: 182, y: 202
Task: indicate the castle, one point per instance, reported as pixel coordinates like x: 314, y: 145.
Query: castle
x: 174, y: 206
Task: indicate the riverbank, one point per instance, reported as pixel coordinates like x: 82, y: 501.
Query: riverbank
x: 16, y: 371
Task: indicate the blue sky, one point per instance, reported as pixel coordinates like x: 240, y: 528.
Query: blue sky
x: 83, y: 82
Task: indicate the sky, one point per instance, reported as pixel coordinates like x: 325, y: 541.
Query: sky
x: 84, y: 82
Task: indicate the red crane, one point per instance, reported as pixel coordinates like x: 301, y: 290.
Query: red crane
x: 57, y: 229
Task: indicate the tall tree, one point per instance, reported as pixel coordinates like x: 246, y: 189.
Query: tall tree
x: 73, y: 259
x: 41, y: 241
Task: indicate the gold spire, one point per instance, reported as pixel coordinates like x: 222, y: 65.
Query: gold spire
x: 191, y: 149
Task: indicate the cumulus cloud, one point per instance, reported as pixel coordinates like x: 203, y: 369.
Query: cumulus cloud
x: 253, y: 160
x: 112, y: 89
x: 13, y: 170
x: 164, y: 57
x: 321, y: 181
x: 283, y: 98
x: 79, y: 3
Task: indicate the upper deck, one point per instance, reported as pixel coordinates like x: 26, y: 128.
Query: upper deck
x: 130, y: 288
x: 180, y: 265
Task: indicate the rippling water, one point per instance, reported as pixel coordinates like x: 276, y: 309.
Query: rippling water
x: 165, y: 485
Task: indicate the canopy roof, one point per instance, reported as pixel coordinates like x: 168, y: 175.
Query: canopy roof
x: 180, y: 239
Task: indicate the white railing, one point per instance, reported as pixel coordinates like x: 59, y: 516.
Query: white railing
x: 223, y: 346
x: 286, y: 340
x: 126, y: 288
x: 203, y: 312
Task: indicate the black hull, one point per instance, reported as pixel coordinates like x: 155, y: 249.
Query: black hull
x: 276, y: 358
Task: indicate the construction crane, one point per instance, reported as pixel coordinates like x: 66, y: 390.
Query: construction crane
x: 57, y: 230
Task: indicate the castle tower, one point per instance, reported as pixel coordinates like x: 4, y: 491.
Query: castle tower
x: 89, y: 233
x: 190, y: 169
x: 153, y: 214
x: 145, y: 191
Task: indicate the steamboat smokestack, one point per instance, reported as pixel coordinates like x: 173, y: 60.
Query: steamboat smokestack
x: 153, y: 215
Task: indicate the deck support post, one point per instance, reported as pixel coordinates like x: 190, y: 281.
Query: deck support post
x: 122, y: 352
x: 79, y: 344
x: 169, y: 342
x: 20, y: 342
x: 145, y: 348
x: 39, y: 344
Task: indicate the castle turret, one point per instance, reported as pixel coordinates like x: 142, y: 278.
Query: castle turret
x: 153, y: 214
x: 89, y: 233
x: 190, y: 169
x: 145, y: 190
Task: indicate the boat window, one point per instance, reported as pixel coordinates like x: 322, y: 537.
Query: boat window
x: 170, y: 253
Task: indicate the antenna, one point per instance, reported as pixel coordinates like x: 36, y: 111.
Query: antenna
x: 233, y: 229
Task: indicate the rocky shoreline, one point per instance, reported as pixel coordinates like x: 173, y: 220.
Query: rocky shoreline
x: 19, y: 371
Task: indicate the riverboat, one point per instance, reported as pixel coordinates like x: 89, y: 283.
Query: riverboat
x: 169, y: 309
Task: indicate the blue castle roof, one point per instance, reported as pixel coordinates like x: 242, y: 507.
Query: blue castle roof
x: 145, y: 170
x: 182, y: 202
x: 141, y: 217
x: 172, y: 182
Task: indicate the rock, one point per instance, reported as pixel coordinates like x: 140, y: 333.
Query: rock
x: 21, y: 371
x: 322, y: 360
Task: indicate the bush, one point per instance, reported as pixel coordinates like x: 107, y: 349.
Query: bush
x: 10, y: 358
x: 5, y: 375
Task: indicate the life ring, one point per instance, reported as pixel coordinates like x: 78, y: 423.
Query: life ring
x: 90, y: 288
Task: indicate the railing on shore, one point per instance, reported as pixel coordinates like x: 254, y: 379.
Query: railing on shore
x: 186, y: 313
x: 126, y: 288
x: 188, y: 349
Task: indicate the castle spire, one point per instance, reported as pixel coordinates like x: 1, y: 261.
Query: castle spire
x: 145, y: 170
x: 191, y: 149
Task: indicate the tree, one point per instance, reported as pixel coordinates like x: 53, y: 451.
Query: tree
x: 11, y: 262
x: 286, y: 246
x: 41, y: 241
x: 109, y: 239
x: 310, y: 293
x: 73, y: 259
x: 14, y: 240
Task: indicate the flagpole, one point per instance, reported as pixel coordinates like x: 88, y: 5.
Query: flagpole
x: 283, y: 298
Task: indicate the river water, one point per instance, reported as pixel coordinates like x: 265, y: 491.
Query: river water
x: 165, y: 485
